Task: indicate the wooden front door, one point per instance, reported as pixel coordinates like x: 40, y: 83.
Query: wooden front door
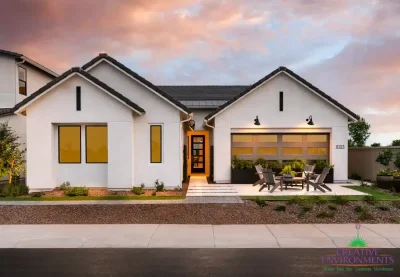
x: 198, y: 154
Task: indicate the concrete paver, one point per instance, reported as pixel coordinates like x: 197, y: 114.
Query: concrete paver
x: 385, y: 230
x: 295, y: 230
x: 345, y: 230
x: 308, y: 242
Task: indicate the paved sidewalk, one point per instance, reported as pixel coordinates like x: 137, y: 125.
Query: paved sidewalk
x: 196, y: 236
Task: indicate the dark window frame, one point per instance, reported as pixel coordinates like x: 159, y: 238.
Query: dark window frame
x: 26, y: 81
x: 78, y: 98
x: 281, y: 101
x: 161, y: 144
x: 80, y: 144
x: 86, y: 152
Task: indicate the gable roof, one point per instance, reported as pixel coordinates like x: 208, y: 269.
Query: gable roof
x: 21, y: 57
x: 137, y: 77
x: 76, y: 70
x: 274, y: 73
x: 203, y: 93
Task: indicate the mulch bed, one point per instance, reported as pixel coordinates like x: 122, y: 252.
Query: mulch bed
x: 247, y: 213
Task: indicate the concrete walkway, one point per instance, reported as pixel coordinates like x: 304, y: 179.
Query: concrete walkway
x: 197, y: 236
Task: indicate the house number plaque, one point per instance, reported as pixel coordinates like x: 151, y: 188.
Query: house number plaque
x: 340, y: 146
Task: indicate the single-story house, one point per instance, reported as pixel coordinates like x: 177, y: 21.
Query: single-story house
x: 103, y: 125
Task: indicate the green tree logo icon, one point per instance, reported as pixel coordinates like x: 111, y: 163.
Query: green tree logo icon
x: 358, y: 241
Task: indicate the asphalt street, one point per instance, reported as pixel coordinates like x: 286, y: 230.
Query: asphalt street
x: 178, y: 262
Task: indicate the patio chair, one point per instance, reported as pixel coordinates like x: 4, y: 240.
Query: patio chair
x: 318, y: 183
x: 309, y: 168
x: 259, y: 172
x: 269, y: 178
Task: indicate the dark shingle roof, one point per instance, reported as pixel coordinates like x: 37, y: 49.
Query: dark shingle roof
x: 6, y: 111
x: 295, y: 76
x: 86, y: 75
x: 9, y: 53
x: 137, y: 77
x: 203, y: 92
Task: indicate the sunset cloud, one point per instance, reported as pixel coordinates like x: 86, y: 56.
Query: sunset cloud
x: 349, y: 49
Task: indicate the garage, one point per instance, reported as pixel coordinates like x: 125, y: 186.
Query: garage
x: 280, y: 146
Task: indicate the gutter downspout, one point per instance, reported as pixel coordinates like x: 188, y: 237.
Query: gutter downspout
x: 206, y: 122
x: 190, y: 117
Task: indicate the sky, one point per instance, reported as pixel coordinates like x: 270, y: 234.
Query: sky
x: 349, y: 49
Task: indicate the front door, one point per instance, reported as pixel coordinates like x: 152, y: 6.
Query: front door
x: 198, y: 155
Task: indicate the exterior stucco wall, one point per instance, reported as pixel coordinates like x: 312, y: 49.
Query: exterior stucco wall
x: 299, y: 104
x: 158, y: 111
x: 59, y: 107
x: 7, y: 81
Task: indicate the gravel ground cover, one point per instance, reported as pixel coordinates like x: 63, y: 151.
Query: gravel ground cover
x: 247, y: 213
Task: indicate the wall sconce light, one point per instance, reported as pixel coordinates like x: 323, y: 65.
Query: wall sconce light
x: 192, y: 124
x: 309, y: 120
x: 256, y: 121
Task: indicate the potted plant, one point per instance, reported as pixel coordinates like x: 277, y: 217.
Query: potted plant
x: 298, y: 166
x: 287, y: 171
x: 384, y: 158
x: 243, y: 172
x: 320, y: 165
x: 396, y: 161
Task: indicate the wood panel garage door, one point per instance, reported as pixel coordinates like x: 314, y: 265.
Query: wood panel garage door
x: 280, y: 147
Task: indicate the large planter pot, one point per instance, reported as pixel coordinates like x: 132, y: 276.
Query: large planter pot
x: 329, y: 178
x: 384, y: 177
x: 390, y: 185
x: 244, y: 176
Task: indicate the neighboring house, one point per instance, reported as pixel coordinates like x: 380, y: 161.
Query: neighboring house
x: 19, y: 77
x: 103, y: 125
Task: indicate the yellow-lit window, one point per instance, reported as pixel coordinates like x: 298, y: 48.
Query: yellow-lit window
x: 156, y: 143
x: 242, y: 138
x: 317, y: 151
x: 267, y: 138
x: 292, y: 138
x: 267, y: 151
x: 242, y: 151
x: 96, y: 144
x: 317, y: 138
x: 292, y: 150
x: 69, y: 144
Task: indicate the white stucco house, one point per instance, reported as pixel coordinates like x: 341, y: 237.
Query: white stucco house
x: 103, y: 125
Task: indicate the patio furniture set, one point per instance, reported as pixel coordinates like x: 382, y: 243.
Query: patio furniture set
x: 268, y: 178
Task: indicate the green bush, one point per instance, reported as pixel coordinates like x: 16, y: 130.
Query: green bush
x: 396, y: 160
x: 178, y: 188
x: 298, y: 165
x: 13, y: 190
x: 365, y: 214
x: 332, y: 207
x: 280, y: 208
x: 385, y: 172
x: 339, y: 200
x: 241, y: 164
x: 138, y: 190
x: 358, y: 209
x: 37, y: 194
x: 262, y: 162
x: 325, y: 215
x: 383, y: 208
x: 306, y: 208
x: 159, y: 185
x: 153, y: 193
x: 65, y: 186
x: 396, y: 204
x: 321, y: 164
x: 355, y: 176
x: 385, y: 157
x: 274, y: 164
x: 318, y: 200
x: 288, y: 170
x: 260, y: 202
x: 77, y: 191
x: 370, y: 199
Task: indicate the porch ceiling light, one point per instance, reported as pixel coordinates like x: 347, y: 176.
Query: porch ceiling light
x: 256, y: 121
x: 309, y: 120
x: 192, y: 124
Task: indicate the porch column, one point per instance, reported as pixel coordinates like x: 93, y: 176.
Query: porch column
x: 120, y: 155
x: 340, y: 155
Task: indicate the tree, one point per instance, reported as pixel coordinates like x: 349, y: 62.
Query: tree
x: 376, y: 144
x: 12, y: 160
x: 396, y: 142
x: 385, y: 157
x: 359, y: 132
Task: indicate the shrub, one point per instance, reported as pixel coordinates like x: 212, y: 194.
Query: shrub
x: 358, y: 209
x: 385, y: 157
x: 288, y: 170
x: 13, y: 190
x: 339, y: 200
x: 296, y: 200
x: 241, y: 164
x: 37, y: 194
x: 178, y: 188
x: 138, y: 190
x: 325, y: 215
x: 298, y: 165
x: 332, y: 207
x: 396, y: 204
x: 318, y: 200
x: 375, y: 144
x: 370, y: 199
x: 355, y: 176
x: 260, y: 202
x: 383, y: 208
x: 396, y: 160
x: 395, y: 220
x: 365, y: 214
x: 159, y: 185
x: 153, y: 193
x: 274, y: 164
x: 306, y: 208
x: 77, y: 191
x: 65, y: 186
x: 385, y: 171
x: 280, y: 208
x: 262, y: 162
x: 321, y: 164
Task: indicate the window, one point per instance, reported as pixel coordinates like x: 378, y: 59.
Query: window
x: 22, y: 80
x: 69, y: 144
x: 317, y: 138
x: 78, y: 98
x: 317, y: 151
x: 292, y: 138
x: 292, y: 150
x: 96, y: 144
x: 267, y: 151
x: 267, y: 138
x: 155, y: 143
x: 242, y: 138
x: 281, y: 101
x: 242, y: 151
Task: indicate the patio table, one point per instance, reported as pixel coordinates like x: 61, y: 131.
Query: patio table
x: 292, y: 181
